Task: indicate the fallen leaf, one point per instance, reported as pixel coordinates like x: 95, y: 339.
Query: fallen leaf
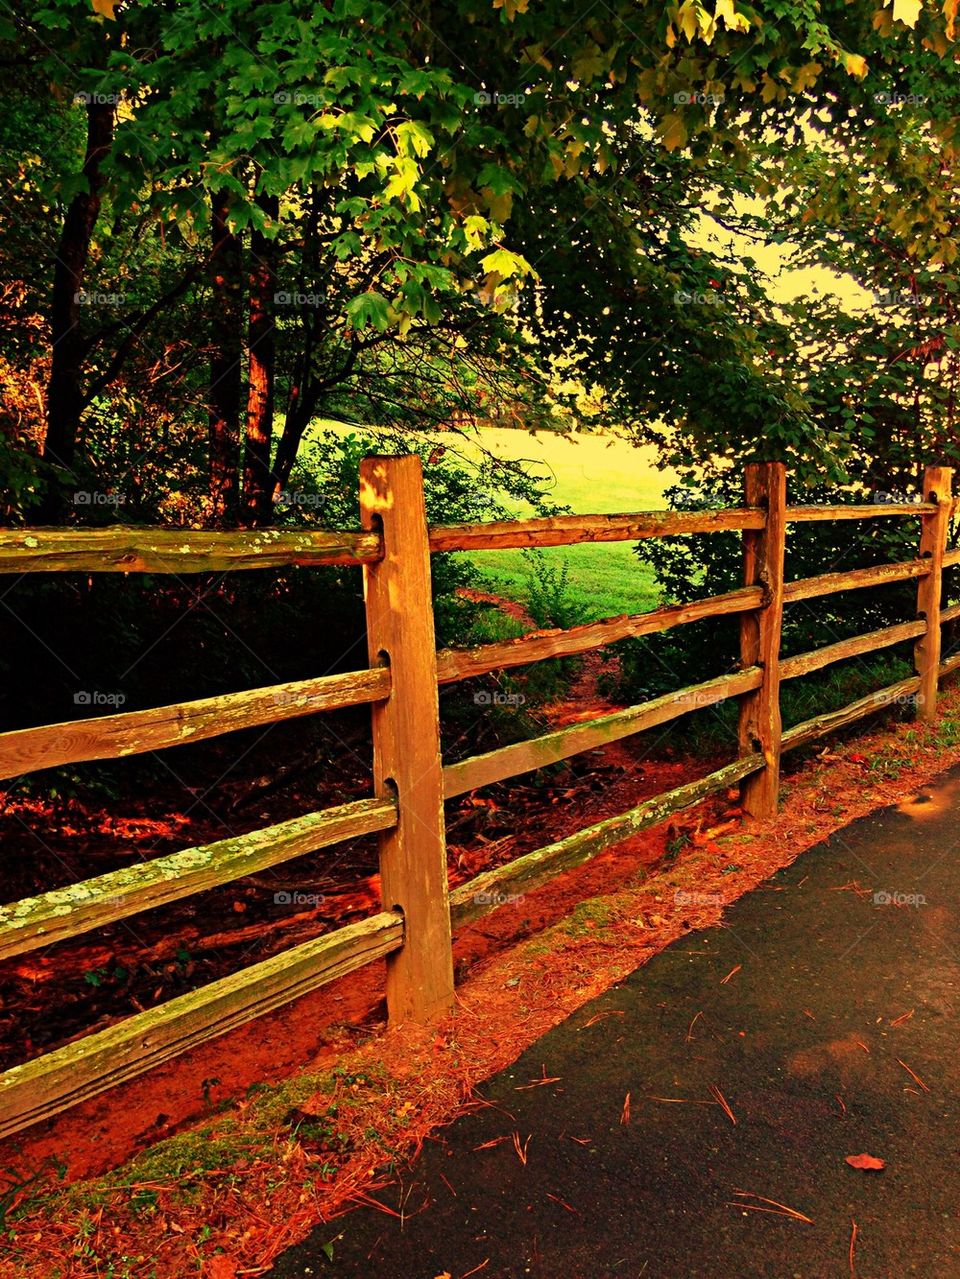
x: 220, y: 1267
x: 867, y: 1162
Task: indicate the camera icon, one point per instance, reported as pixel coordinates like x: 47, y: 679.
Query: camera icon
x: 482, y: 99
x: 82, y: 699
x: 282, y: 96
x: 882, y: 99
x: 682, y: 99
x: 482, y: 699
x: 82, y: 498
x: 882, y: 898
x: 282, y: 899
x: 282, y: 299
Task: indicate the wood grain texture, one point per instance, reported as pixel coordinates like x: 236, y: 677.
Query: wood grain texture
x: 77, y: 908
x: 806, y: 514
x: 806, y: 588
x: 813, y: 729
x: 406, y: 737
x: 566, y: 530
x: 132, y: 732
x: 456, y: 663
x: 523, y: 757
x: 759, y: 725
x: 119, y: 549
x: 934, y: 530
x: 804, y: 663
x: 499, y: 886
x: 82, y: 1069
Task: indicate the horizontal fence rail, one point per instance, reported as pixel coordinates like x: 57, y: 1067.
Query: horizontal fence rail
x: 465, y: 663
x: 486, y: 891
x: 133, y: 732
x: 524, y: 757
x: 819, y: 514
x: 412, y: 933
x: 67, y: 912
x: 88, y: 1066
x: 142, y: 550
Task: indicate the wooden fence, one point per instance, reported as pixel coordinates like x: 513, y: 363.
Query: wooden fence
x: 413, y: 929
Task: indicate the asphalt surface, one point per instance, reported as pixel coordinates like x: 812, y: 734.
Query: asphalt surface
x: 860, y: 933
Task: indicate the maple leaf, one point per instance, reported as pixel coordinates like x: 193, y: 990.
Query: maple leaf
x: 907, y: 11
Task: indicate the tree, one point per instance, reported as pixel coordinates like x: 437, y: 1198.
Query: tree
x: 405, y: 165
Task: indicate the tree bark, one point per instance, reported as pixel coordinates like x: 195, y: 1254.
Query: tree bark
x: 226, y: 361
x: 257, y: 497
x: 65, y: 400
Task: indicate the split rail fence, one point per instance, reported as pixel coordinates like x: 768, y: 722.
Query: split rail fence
x: 413, y: 929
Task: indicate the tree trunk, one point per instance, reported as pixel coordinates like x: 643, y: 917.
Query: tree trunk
x: 64, y: 390
x: 257, y: 498
x: 226, y: 360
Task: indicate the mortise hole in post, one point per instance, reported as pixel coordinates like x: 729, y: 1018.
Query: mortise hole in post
x: 383, y: 657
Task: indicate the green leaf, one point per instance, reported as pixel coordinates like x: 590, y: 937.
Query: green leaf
x: 369, y: 310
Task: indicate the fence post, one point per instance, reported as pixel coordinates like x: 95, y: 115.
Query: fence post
x: 759, y: 728
x: 406, y: 737
x: 937, y: 488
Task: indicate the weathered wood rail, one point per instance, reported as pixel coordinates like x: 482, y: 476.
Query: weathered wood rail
x: 413, y: 930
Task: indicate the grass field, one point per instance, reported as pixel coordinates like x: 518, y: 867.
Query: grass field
x: 595, y: 475
x: 590, y: 474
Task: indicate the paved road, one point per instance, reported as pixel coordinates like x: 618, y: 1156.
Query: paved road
x: 800, y: 1041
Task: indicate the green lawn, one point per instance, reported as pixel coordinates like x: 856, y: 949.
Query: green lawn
x: 592, y: 475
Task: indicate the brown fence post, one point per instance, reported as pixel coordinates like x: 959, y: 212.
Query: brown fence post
x: 759, y: 727
x: 406, y: 737
x: 937, y: 486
